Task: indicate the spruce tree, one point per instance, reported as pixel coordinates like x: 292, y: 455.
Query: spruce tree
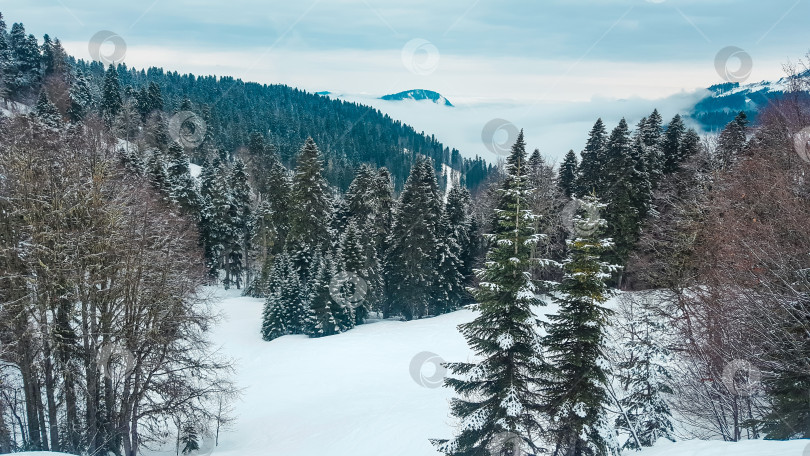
x: 650, y: 133
x: 243, y: 221
x: 111, y: 102
x: 320, y: 320
x: 310, y: 208
x: 46, y: 112
x: 628, y: 195
x: 671, y: 145
x: 591, y: 177
x: 286, y: 307
x: 410, y: 266
x: 182, y: 187
x: 500, y: 394
x: 351, y: 285
x: 568, y: 174
x: 462, y: 231
x: 642, y: 372
x: 574, y: 391
x: 731, y: 141
x: 383, y: 191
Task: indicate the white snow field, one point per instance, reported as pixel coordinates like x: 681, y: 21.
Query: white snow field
x: 352, y: 394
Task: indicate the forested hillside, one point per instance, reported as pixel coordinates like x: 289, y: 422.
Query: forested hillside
x: 229, y: 112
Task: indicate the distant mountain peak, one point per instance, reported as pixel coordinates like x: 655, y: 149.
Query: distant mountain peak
x: 418, y: 94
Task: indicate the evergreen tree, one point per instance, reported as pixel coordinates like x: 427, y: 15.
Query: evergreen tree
x: 189, y: 439
x: 243, y: 222
x: 24, y: 67
x: 568, y: 173
x: 499, y: 394
x: 574, y: 393
x: 310, y: 208
x: 46, y: 112
x: 628, y: 195
x: 183, y: 188
x: 591, y: 175
x: 732, y: 140
x: 158, y: 174
x: 286, y: 307
x: 111, y: 102
x: 218, y: 227
x: 671, y: 145
x: 320, y: 320
x: 650, y: 133
x: 644, y: 415
x: 410, y: 266
x: 352, y: 286
x: 383, y: 191
x: 462, y: 231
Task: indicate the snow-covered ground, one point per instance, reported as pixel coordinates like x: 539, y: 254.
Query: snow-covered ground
x: 353, y: 394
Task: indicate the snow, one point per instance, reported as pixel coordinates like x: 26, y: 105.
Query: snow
x: 720, y: 448
x: 354, y: 394
x: 195, y: 170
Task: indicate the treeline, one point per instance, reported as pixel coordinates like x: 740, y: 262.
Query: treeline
x: 231, y: 111
x: 103, y: 330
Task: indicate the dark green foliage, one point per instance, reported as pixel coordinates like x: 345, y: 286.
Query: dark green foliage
x: 410, y: 265
x: 500, y: 394
x: 671, y: 145
x: 629, y: 192
x: 568, y: 173
x: 111, y: 102
x: 189, y: 439
x: 574, y: 391
x: 286, y: 307
x: 732, y: 140
x: 310, y: 207
x: 591, y: 177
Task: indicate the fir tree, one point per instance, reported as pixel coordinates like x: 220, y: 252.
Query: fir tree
x: 111, y: 102
x: 189, y: 439
x: 650, y: 135
x: 46, y: 112
x: 568, y: 174
x: 383, y: 191
x: 410, y: 266
x: 628, y: 195
x: 671, y: 145
x: 574, y: 381
x: 286, y: 307
x: 158, y: 174
x: 731, y: 142
x: 644, y: 414
x: 462, y: 231
x: 591, y: 175
x: 243, y: 221
x: 352, y: 286
x: 499, y: 394
x: 183, y: 188
x: 310, y: 208
x: 320, y: 320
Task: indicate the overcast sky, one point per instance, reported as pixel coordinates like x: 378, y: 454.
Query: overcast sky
x: 476, y: 53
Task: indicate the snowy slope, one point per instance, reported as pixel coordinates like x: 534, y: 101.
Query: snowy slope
x: 352, y: 394
x: 349, y: 394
